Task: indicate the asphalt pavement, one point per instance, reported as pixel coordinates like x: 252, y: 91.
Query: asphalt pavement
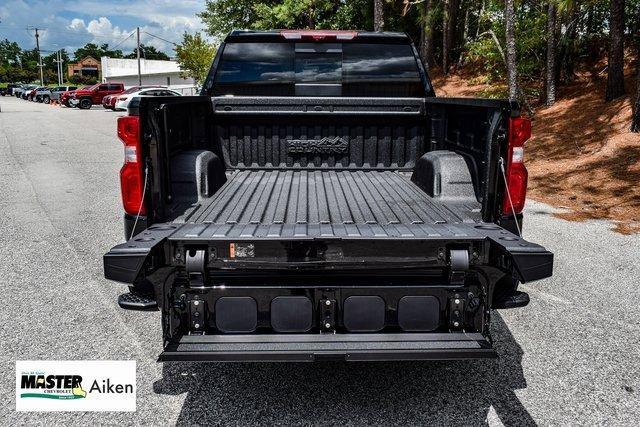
x: 571, y: 357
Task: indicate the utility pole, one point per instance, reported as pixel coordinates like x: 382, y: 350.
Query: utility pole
x: 138, y: 55
x: 39, y: 56
x: 59, y: 66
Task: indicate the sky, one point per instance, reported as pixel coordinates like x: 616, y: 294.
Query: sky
x: 71, y: 24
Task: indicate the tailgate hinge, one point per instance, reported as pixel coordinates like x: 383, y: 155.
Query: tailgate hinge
x: 195, y: 261
x: 459, y: 265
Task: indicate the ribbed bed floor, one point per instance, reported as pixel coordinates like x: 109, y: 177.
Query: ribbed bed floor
x: 325, y: 203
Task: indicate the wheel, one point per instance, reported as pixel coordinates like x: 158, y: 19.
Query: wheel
x: 46, y: 99
x: 85, y: 104
x: 39, y: 99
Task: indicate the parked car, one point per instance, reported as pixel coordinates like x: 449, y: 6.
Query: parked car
x: 31, y: 95
x: 84, y: 99
x: 106, y: 102
x: 17, y: 91
x: 42, y: 94
x: 322, y: 203
x: 57, y: 92
x: 67, y: 96
x: 125, y: 98
x: 109, y: 101
x: 9, y: 89
x: 26, y: 91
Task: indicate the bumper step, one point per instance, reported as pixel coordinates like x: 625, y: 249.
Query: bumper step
x: 135, y: 301
x: 517, y: 299
x: 309, y: 348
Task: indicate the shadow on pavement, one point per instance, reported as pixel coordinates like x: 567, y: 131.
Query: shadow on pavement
x: 458, y: 392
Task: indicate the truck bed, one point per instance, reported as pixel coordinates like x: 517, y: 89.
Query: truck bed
x: 320, y: 203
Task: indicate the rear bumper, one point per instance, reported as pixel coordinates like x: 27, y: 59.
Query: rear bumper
x: 320, y: 347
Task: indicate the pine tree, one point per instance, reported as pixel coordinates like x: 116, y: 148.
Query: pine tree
x: 551, y: 53
x: 635, y: 123
x: 378, y: 16
x: 510, y: 20
x: 615, y: 77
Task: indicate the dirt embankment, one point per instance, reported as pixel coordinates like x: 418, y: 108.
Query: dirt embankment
x: 582, y: 156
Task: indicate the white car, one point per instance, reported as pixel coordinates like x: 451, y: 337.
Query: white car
x: 124, y: 99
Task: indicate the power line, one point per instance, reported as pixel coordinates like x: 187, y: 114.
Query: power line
x: 124, y: 40
x: 68, y: 31
x: 160, y: 38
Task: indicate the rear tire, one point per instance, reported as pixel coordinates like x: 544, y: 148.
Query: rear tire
x: 46, y: 99
x: 84, y: 104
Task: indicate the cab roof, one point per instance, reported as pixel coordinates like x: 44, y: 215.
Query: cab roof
x: 339, y: 36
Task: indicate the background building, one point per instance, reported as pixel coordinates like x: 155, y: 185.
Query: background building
x: 154, y: 72
x: 86, y: 67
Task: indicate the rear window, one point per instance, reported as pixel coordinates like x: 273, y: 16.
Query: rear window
x: 318, y: 69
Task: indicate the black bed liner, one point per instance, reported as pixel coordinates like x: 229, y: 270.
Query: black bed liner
x: 321, y: 203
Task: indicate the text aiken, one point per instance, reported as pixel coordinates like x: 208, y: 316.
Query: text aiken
x: 106, y: 387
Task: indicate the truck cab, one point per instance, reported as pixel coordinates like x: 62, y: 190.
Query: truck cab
x: 317, y: 201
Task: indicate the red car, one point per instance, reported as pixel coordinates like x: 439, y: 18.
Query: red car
x: 65, y: 97
x: 106, y: 102
x: 84, y: 99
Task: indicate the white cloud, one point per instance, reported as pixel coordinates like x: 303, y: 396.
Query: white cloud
x: 75, y: 23
x: 98, y: 28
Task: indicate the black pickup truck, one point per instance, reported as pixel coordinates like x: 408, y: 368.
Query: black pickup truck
x: 317, y: 202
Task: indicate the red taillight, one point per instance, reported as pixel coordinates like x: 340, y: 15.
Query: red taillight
x: 318, y: 35
x: 516, y: 172
x: 131, y: 176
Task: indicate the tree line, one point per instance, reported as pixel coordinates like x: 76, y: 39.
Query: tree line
x: 532, y: 45
x: 21, y: 65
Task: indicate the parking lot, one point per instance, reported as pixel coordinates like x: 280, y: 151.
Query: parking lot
x: 570, y: 357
